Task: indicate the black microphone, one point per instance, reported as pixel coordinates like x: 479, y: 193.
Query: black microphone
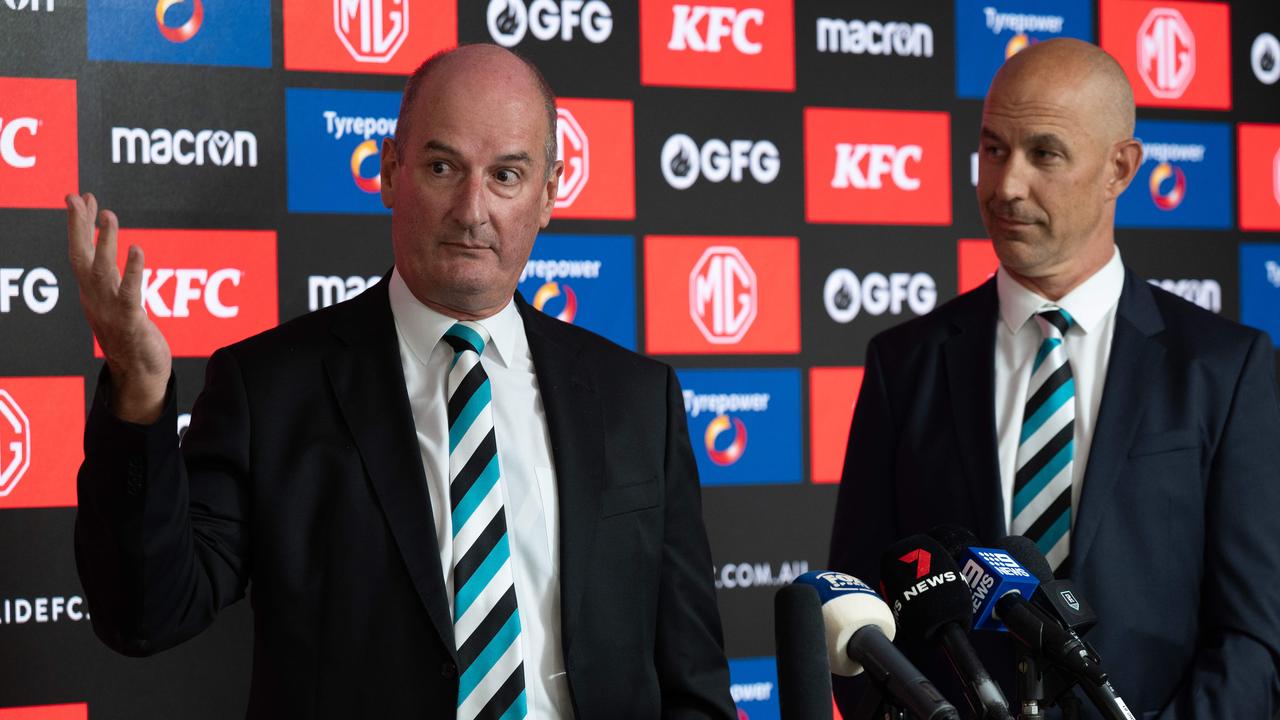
x: 804, y: 680
x: 1057, y: 597
x: 859, y: 630
x: 932, y: 602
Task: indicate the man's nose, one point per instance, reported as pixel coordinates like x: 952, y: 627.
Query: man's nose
x: 469, y: 203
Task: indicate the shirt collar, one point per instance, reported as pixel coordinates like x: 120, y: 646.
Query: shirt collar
x: 1088, y: 304
x: 421, y: 327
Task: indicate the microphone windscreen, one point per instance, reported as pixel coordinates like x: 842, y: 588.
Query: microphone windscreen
x: 848, y: 605
x: 804, y: 678
x: 955, y: 539
x: 1028, y: 556
x: 924, y: 588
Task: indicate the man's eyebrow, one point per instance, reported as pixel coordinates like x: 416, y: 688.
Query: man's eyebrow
x: 1047, y: 140
x: 990, y: 134
x: 521, y: 158
x: 441, y: 147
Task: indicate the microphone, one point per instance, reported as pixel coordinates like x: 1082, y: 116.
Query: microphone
x: 991, y: 574
x: 804, y: 680
x: 1057, y: 597
x: 859, y: 630
x: 932, y: 602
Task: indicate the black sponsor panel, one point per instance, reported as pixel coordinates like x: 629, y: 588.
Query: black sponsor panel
x: 41, y: 38
x: 1255, y: 61
x: 325, y: 260
x: 876, y: 54
x: 563, y: 38
x: 718, y: 167
x: 966, y: 124
x: 856, y: 282
x: 1201, y: 267
x: 761, y: 539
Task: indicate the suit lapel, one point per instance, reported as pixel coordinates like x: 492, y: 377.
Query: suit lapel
x: 1134, y: 361
x: 574, y: 420
x: 368, y: 380
x: 970, y: 361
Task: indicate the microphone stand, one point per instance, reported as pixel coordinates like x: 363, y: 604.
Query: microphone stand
x: 1030, y: 686
x: 876, y: 704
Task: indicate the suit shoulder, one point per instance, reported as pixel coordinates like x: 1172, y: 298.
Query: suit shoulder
x: 932, y: 329
x: 602, y: 352
x: 308, y: 332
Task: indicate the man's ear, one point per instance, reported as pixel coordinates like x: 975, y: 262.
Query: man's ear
x: 552, y: 189
x: 390, y: 163
x: 1126, y: 158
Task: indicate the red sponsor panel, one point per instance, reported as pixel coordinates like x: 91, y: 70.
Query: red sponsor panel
x: 733, y: 44
x: 722, y: 294
x: 597, y: 144
x: 1259, y: 176
x: 206, y: 288
x: 70, y: 711
x: 39, y: 163
x: 877, y: 166
x: 371, y: 36
x: 41, y: 428
x: 1176, y: 54
x: 833, y: 395
x: 976, y: 261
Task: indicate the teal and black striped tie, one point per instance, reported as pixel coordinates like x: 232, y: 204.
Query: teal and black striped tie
x: 486, y: 621
x: 1042, y: 484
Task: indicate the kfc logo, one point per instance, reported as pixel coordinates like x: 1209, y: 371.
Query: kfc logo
x: 745, y: 44
x: 510, y: 20
x: 37, y: 288
x: 683, y: 162
x: 599, y: 179
x: 366, y: 36
x: 41, y: 421
x: 1258, y: 159
x: 372, y: 31
x: 723, y: 295
x: 877, y: 166
x: 1166, y: 53
x: 1176, y: 54
x: 38, y: 158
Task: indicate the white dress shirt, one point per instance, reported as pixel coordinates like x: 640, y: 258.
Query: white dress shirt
x: 1092, y: 305
x: 528, y: 477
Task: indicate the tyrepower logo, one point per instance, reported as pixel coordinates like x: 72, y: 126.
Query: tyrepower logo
x: 183, y: 32
x: 744, y: 425
x: 684, y: 161
x: 585, y: 280
x: 206, y: 288
x: 366, y: 36
x: 732, y: 44
x: 1259, y: 167
x: 877, y: 166
x: 722, y: 295
x: 71, y: 711
x: 596, y: 143
x: 510, y: 21
x: 38, y: 140
x: 333, y: 140
x: 41, y: 425
x: 976, y: 262
x: 1184, y: 179
x: 990, y: 31
x: 1260, y: 288
x: 1176, y: 54
x: 833, y: 396
x: 753, y: 685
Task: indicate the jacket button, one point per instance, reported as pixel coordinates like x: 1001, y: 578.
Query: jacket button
x: 448, y: 670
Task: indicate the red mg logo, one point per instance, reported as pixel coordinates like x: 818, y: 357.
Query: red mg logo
x: 371, y: 30
x: 15, y: 443
x: 723, y: 295
x: 1166, y: 53
x: 573, y: 149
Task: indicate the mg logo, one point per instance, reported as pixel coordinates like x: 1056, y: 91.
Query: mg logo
x: 572, y: 149
x: 371, y: 30
x: 15, y: 443
x: 1166, y: 53
x: 723, y: 295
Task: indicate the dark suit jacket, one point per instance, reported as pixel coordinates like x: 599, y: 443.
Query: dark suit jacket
x: 300, y: 478
x: 1174, y: 543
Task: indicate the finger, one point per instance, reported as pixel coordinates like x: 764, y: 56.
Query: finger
x: 79, y: 236
x: 104, y: 258
x: 131, y: 282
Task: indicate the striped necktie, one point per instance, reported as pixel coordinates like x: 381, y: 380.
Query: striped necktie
x: 486, y: 623
x: 1042, y: 484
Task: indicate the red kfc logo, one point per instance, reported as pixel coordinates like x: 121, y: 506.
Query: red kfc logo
x: 366, y: 36
x: 722, y: 295
x: 1176, y: 54
x: 39, y: 161
x: 976, y: 261
x: 877, y: 166
x: 41, y: 425
x: 595, y: 140
x: 833, y: 396
x: 733, y: 44
x: 206, y: 288
x: 1259, y: 164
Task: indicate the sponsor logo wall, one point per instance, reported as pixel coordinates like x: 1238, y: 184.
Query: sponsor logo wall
x: 753, y: 189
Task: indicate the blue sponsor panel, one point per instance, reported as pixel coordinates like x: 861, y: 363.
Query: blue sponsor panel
x: 753, y: 684
x: 585, y: 280
x: 333, y: 139
x: 1184, y: 180
x: 1260, y: 288
x: 744, y: 424
x: 989, y: 31
x: 181, y: 32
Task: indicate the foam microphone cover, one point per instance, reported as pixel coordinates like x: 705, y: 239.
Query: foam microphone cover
x: 804, y: 678
x: 955, y: 539
x: 1028, y: 556
x: 924, y: 588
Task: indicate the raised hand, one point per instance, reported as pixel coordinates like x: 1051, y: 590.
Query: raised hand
x: 135, y: 350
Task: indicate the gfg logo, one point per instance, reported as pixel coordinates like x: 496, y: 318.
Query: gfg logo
x: 510, y: 20
x: 879, y: 160
x: 372, y: 31
x: 844, y: 295
x: 721, y: 23
x: 723, y: 295
x: 1166, y: 53
x: 162, y: 147
x: 189, y: 285
x: 683, y: 162
x: 38, y: 289
x: 9, y: 151
x: 1264, y: 57
x: 15, y: 443
x: 573, y: 149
